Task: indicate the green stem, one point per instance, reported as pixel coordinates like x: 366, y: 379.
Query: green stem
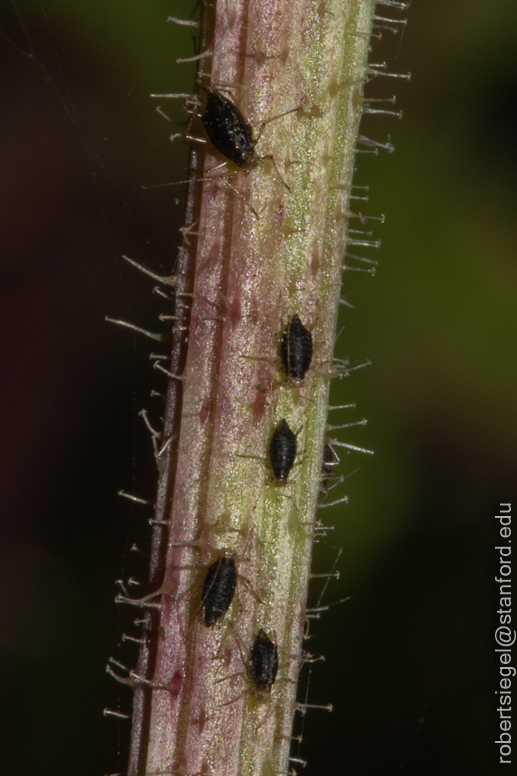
x: 255, y: 253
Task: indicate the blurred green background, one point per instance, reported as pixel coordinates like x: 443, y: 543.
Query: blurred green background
x: 409, y: 659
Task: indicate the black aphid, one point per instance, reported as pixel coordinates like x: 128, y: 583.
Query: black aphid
x: 228, y: 130
x: 296, y: 348
x: 218, y: 588
x: 282, y: 451
x: 263, y: 663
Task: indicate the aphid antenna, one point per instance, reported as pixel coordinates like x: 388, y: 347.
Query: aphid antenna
x: 135, y: 499
x: 183, y: 22
x: 166, y: 280
x: 252, y: 457
x: 119, y: 773
x: 264, y: 124
x: 158, y: 337
x: 344, y: 301
x: 134, y: 639
x: 117, y: 714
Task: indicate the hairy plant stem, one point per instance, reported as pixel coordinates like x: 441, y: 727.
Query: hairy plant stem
x: 258, y: 248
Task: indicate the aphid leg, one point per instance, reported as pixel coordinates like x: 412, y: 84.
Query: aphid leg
x: 271, y: 158
x: 222, y: 178
x: 263, y: 124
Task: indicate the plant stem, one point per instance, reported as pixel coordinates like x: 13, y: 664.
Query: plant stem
x: 258, y: 248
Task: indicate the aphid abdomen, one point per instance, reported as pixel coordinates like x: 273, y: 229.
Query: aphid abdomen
x: 228, y: 130
x: 296, y: 349
x: 263, y: 662
x: 218, y: 589
x: 282, y: 451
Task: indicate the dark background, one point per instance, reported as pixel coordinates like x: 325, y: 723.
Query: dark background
x: 409, y: 659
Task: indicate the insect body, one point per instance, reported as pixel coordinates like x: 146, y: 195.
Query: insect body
x: 282, y: 451
x: 296, y: 348
x: 228, y: 130
x: 263, y: 663
x: 218, y: 588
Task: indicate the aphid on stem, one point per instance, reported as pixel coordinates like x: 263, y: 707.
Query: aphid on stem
x: 296, y: 348
x: 282, y: 451
x: 232, y: 135
x: 218, y: 588
x: 263, y: 664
